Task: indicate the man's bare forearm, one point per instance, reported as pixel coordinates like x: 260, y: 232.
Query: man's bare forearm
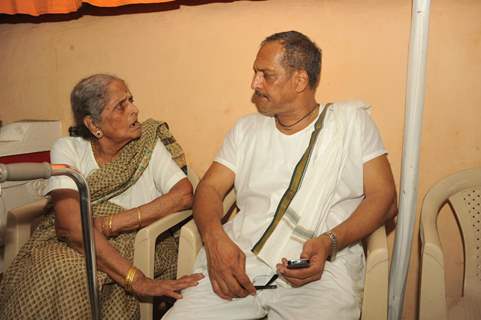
x: 208, y: 212
x: 370, y: 215
x: 378, y: 205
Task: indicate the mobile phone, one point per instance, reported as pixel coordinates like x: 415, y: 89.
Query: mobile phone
x: 269, y: 284
x: 297, y: 263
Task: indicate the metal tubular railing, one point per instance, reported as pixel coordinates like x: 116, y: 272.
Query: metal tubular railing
x: 29, y: 171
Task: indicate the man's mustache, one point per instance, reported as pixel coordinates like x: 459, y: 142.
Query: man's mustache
x: 257, y: 93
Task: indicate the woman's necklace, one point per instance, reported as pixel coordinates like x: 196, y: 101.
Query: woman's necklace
x: 291, y: 125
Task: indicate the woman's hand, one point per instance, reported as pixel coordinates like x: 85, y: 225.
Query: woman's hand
x: 143, y: 286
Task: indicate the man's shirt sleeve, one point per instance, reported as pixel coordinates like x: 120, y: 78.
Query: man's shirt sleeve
x: 372, y: 145
x: 228, y: 153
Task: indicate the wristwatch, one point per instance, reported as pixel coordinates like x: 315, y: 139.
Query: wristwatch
x: 332, y: 237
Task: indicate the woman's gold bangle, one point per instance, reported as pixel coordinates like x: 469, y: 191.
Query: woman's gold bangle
x: 109, y: 230
x: 105, y: 225
x: 139, y: 217
x: 129, y: 278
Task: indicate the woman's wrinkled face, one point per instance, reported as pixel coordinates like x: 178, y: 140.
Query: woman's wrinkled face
x: 119, y: 118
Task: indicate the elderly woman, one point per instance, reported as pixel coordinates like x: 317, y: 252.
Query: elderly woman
x: 133, y: 182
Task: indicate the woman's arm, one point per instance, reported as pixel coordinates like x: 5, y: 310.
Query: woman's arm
x: 178, y: 198
x: 68, y: 227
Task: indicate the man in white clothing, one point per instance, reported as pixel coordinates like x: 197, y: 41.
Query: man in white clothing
x: 312, y: 180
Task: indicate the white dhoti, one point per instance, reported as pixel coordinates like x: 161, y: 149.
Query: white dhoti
x: 327, y: 298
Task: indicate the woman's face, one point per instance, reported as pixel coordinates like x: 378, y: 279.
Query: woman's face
x: 119, y: 122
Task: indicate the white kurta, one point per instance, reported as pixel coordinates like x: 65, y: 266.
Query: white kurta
x: 159, y: 177
x: 263, y: 160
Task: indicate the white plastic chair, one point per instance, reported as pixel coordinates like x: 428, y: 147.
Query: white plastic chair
x: 18, y: 228
x: 19, y: 225
x: 462, y: 191
x: 375, y: 300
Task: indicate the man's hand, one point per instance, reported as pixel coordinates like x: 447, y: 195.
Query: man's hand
x: 226, y: 263
x: 317, y: 251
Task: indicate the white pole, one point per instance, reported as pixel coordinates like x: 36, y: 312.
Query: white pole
x: 410, y: 160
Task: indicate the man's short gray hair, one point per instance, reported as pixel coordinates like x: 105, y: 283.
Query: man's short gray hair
x: 300, y: 53
x: 88, y: 98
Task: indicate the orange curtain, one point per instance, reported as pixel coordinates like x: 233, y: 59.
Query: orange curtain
x: 38, y: 7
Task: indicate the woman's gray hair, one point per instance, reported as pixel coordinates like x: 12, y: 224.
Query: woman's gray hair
x: 88, y: 98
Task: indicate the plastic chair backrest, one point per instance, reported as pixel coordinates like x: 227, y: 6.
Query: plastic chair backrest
x: 461, y: 191
x: 467, y: 207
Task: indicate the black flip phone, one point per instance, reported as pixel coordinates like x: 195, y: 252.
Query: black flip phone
x: 298, y: 263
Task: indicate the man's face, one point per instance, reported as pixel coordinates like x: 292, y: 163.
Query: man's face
x: 273, y: 85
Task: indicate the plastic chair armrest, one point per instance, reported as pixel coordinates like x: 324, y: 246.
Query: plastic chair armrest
x: 377, y: 246
x: 144, y: 246
x: 189, y: 245
x: 431, y: 244
x: 28, y: 212
x: 18, y: 230
x: 375, y: 297
x: 432, y: 297
x: 144, y: 251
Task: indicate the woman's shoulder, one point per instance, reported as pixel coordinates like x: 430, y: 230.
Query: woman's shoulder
x: 70, y: 144
x: 160, y: 153
x: 159, y: 147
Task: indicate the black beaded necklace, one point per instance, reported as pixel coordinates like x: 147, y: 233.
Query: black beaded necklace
x: 291, y: 125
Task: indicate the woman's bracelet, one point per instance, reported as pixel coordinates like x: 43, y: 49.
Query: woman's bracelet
x: 109, y: 230
x: 139, y: 217
x: 107, y: 226
x: 104, y: 226
x: 129, y: 278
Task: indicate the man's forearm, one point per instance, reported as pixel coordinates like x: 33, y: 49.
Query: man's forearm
x: 370, y: 215
x: 208, y: 212
x: 375, y: 208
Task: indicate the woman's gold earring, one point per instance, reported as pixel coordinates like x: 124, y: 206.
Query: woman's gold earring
x: 99, y: 134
